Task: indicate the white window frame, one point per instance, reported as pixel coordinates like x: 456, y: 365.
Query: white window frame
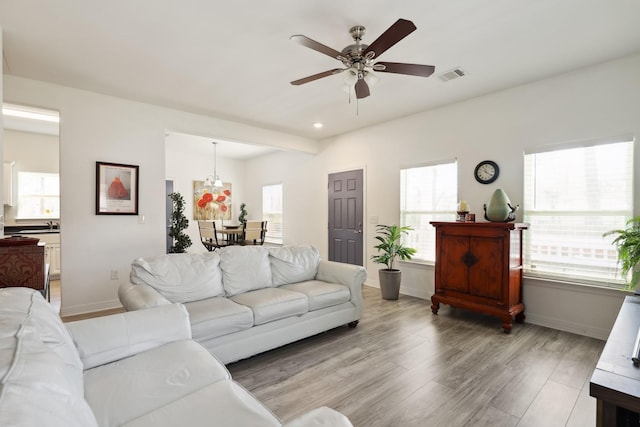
x: 38, y: 203
x: 567, y: 244
x: 439, y: 206
x: 272, y: 213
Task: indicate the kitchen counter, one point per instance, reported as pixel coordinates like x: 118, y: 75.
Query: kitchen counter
x: 10, y: 230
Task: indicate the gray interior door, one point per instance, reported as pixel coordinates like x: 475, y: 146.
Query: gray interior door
x: 169, y: 211
x: 345, y: 217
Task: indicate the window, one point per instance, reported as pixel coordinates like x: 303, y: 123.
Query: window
x: 38, y: 195
x: 272, y: 212
x: 571, y: 197
x: 427, y: 193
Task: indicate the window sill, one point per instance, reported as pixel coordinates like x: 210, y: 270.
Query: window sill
x: 591, y: 288
x: 418, y: 263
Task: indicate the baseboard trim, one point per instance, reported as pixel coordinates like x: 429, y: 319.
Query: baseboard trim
x: 89, y: 308
x: 567, y: 326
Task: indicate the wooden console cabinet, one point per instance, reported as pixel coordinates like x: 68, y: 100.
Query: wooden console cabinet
x: 479, y: 268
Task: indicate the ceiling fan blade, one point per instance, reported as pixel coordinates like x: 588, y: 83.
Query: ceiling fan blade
x: 362, y: 89
x: 316, y: 76
x: 312, y: 44
x: 401, y: 29
x: 401, y: 68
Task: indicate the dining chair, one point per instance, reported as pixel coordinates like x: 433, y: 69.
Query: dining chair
x: 209, y: 236
x: 253, y: 232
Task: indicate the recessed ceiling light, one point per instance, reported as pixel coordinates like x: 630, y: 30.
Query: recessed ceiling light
x: 318, y: 125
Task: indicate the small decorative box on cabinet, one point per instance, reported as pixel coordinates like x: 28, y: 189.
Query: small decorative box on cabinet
x: 479, y: 268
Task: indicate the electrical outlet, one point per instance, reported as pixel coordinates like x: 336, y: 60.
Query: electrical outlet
x: 114, y: 275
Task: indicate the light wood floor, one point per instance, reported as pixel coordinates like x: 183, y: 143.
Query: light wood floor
x: 404, y: 366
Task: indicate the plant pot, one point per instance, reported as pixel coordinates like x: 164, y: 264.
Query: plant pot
x: 389, y: 283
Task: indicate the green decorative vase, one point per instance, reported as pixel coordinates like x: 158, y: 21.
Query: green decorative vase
x: 499, y: 208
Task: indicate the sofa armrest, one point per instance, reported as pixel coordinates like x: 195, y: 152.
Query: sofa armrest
x: 138, y: 297
x: 320, y: 417
x: 349, y: 275
x: 106, y: 339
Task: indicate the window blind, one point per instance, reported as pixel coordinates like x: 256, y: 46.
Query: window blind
x: 427, y: 193
x: 272, y: 212
x: 571, y: 197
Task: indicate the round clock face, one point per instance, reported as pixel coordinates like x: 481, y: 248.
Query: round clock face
x: 486, y: 172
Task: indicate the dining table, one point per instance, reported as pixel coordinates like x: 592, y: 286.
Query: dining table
x: 232, y: 233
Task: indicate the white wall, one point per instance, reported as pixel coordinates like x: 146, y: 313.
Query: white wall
x: 595, y: 102
x: 303, y: 185
x: 95, y: 127
x: 1, y: 143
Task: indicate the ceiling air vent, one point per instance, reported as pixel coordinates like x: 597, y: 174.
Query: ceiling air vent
x: 451, y: 74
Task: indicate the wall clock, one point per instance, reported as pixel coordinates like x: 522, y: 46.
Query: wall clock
x: 486, y: 172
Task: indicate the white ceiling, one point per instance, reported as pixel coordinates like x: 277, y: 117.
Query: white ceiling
x: 198, y: 144
x: 235, y: 60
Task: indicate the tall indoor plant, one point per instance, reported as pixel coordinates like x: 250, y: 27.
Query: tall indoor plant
x: 179, y: 222
x: 389, y: 249
x: 628, y: 244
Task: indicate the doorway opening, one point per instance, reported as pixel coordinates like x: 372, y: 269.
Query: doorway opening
x: 31, y: 182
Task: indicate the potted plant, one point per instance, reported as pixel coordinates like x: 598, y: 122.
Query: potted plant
x: 179, y: 222
x: 389, y: 249
x: 243, y: 213
x: 628, y: 244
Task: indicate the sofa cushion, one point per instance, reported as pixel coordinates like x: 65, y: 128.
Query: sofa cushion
x: 271, y: 304
x: 103, y: 340
x: 35, y: 406
x: 121, y: 391
x: 224, y: 403
x: 38, y: 363
x: 321, y: 294
x: 214, y: 317
x: 245, y: 268
x: 293, y: 264
x: 180, y: 277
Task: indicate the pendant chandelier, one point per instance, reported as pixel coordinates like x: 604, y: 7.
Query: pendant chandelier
x: 214, y: 180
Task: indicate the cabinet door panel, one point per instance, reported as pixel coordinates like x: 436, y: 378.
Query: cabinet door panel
x: 454, y: 276
x: 485, y: 276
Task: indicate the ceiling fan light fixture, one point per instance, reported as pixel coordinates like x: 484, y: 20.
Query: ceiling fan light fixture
x: 371, y: 78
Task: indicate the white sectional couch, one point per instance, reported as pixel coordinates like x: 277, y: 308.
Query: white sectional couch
x: 135, y: 369
x: 243, y: 300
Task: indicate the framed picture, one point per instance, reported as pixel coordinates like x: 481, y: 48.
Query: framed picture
x: 116, y: 189
x: 211, y: 203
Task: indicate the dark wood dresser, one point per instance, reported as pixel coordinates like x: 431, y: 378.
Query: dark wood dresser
x: 479, y: 268
x: 22, y: 263
x: 615, y: 382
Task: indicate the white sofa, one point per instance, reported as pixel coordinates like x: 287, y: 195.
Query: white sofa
x: 244, y: 300
x: 133, y: 369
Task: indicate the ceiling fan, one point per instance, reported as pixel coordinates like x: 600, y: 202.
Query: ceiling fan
x: 358, y: 58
